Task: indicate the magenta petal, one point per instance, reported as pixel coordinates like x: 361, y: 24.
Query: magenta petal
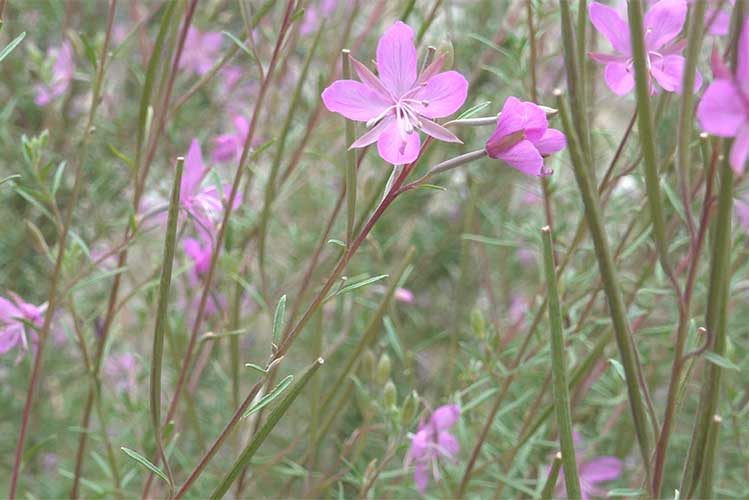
x: 510, y: 119
x: 443, y: 94
x: 354, y: 100
x: 393, y: 150
x: 718, y: 112
x: 620, y: 80
x: 438, y: 131
x: 396, y: 59
x: 536, y: 122
x: 419, y: 445
x: 449, y: 446
x: 601, y: 469
x: 663, y: 22
x: 742, y: 68
x: 445, y: 417
x: 668, y: 72
x: 524, y: 157
x: 740, y: 150
x: 421, y: 476
x: 194, y: 169
x: 721, y: 22
x: 607, y: 21
x: 551, y: 142
x: 373, y: 134
x: 607, y: 58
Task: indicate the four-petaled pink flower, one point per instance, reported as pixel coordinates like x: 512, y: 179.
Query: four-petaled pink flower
x: 398, y: 102
x: 228, y: 147
x: 200, y: 51
x: 523, y: 137
x: 724, y: 109
x: 14, y: 316
x: 663, y: 23
x: 62, y: 74
x: 432, y: 442
x: 591, y: 472
x: 204, y: 204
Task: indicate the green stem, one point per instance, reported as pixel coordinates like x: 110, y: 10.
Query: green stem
x: 708, y: 476
x: 244, y: 458
x: 551, y: 481
x: 617, y: 309
x: 647, y: 132
x: 350, y: 163
x: 559, y: 375
x: 161, y: 316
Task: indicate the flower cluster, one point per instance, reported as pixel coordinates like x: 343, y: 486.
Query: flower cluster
x: 433, y: 442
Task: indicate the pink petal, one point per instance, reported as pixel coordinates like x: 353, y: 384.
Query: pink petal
x: 373, y: 134
x: 511, y: 119
x: 607, y: 21
x: 663, y: 22
x: 242, y: 125
x: 551, y: 142
x: 445, y: 417
x: 443, y: 94
x: 8, y: 310
x: 524, y: 157
x: 192, y: 249
x: 601, y: 469
x: 396, y: 58
x: 720, y: 69
x: 740, y: 150
x: 421, y: 476
x: 392, y: 149
x: 438, y: 131
x: 354, y: 100
x: 668, y: 72
x: 448, y: 444
x: 194, y: 169
x: 10, y: 337
x: 433, y: 68
x: 419, y: 445
x: 718, y: 112
x: 620, y: 80
x: 369, y: 79
x: 721, y: 22
x: 536, y: 122
x: 607, y: 58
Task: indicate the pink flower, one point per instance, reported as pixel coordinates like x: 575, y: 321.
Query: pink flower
x: 204, y: 204
x: 14, y: 314
x: 122, y: 370
x: 724, y: 108
x: 200, y: 253
x: 663, y: 23
x: 523, y: 137
x: 62, y: 74
x: 398, y: 102
x: 591, y: 473
x: 201, y: 51
x: 432, y: 442
x: 404, y: 295
x: 228, y: 147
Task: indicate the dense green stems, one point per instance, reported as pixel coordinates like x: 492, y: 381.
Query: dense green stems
x: 161, y: 316
x: 646, y: 132
x: 715, y: 323
x: 350, y: 163
x: 244, y: 458
x: 547, y: 493
x: 559, y: 375
x: 617, y: 309
x: 574, y: 84
x: 708, y: 476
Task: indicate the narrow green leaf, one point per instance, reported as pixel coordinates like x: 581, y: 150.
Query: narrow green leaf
x: 9, y: 179
x: 268, y: 398
x: 144, y: 462
x: 618, y: 368
x: 12, y: 45
x: 721, y: 361
x: 360, y: 284
x: 278, y: 319
x: 238, y: 43
x: 256, y: 368
x: 473, y: 110
x: 337, y: 242
x: 625, y: 492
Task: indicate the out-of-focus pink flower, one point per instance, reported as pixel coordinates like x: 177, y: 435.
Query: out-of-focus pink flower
x: 204, y: 204
x: 404, y: 295
x: 397, y: 103
x: 523, y: 137
x: 724, y: 108
x: 200, y: 253
x: 591, y: 473
x: 201, y: 51
x: 742, y: 213
x: 433, y: 442
x: 13, y: 314
x: 518, y: 308
x: 662, y: 24
x: 314, y: 13
x: 122, y: 371
x: 228, y: 147
x: 62, y: 74
x: 526, y: 256
x: 717, y: 21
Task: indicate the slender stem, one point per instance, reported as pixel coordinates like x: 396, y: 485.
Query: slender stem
x: 708, y: 476
x: 350, y: 163
x: 161, y: 317
x: 547, y: 493
x: 52, y: 301
x: 617, y: 308
x: 559, y: 374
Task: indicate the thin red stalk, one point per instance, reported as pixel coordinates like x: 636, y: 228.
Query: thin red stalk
x: 36, y: 372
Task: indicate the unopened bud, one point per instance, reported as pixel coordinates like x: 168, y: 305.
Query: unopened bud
x: 390, y: 394
x: 478, y: 325
x: 410, y: 407
x: 445, y: 48
x: 368, y: 364
x: 383, y: 369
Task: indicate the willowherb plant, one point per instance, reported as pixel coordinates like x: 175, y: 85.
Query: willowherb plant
x: 311, y: 249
